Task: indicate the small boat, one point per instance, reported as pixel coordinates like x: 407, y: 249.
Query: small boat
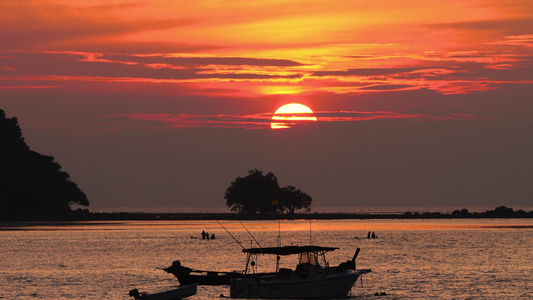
x: 187, y: 275
x: 183, y: 291
x: 312, y: 278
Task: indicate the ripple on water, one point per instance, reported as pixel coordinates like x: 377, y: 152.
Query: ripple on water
x: 426, y: 259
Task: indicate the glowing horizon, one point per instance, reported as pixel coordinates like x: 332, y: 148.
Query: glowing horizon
x: 416, y: 102
x: 278, y: 53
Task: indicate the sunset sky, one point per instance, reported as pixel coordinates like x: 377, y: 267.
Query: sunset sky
x: 163, y: 103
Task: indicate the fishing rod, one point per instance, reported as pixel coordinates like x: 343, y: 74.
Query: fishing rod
x: 230, y: 234
x: 250, y: 234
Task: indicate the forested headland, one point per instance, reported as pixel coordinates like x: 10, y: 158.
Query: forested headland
x: 32, y: 185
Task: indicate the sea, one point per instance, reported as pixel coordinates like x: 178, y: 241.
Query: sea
x: 410, y: 259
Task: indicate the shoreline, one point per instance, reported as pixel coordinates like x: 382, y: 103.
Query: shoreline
x: 302, y: 216
x: 501, y: 212
x: 123, y: 216
x: 112, y: 219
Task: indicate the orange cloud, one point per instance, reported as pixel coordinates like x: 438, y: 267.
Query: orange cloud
x: 261, y: 48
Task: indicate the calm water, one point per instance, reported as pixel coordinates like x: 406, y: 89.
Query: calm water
x: 439, y: 259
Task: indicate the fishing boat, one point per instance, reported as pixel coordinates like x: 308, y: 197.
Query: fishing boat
x: 186, y: 275
x: 182, y: 291
x: 312, y: 277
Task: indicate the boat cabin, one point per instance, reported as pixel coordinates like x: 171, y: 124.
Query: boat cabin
x: 308, y: 257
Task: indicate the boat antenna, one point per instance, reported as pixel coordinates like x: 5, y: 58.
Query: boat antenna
x: 230, y: 234
x: 310, y: 232
x: 279, y: 233
x: 250, y: 234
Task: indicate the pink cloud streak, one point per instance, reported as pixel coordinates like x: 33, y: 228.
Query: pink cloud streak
x: 262, y: 121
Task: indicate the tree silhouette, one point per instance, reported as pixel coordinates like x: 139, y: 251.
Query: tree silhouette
x: 258, y: 193
x: 253, y: 193
x: 32, y: 185
x: 292, y: 198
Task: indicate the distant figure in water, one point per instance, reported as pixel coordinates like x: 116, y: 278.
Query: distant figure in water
x: 213, y: 236
x: 373, y: 235
x: 207, y: 235
x: 368, y: 236
x: 203, y: 235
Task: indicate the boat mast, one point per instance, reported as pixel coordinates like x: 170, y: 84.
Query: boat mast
x: 279, y: 244
x: 247, y: 262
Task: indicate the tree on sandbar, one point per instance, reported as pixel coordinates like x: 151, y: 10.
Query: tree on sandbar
x: 260, y: 193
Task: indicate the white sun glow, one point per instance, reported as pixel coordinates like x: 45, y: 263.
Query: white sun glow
x: 291, y: 114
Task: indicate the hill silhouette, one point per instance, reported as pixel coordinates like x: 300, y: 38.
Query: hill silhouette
x: 32, y: 185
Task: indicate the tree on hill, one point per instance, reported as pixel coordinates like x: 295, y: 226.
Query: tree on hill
x: 32, y: 185
x: 258, y: 193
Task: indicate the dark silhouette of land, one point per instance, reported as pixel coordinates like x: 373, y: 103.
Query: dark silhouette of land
x: 34, y: 188
x: 499, y: 212
x: 32, y: 185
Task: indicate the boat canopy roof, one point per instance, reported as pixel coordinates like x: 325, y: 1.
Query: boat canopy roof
x: 288, y: 250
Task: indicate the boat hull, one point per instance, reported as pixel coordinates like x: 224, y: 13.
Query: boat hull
x: 210, y: 278
x: 332, y: 285
x: 183, y: 291
x: 188, y: 276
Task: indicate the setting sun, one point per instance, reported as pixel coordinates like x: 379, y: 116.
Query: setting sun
x: 291, y: 114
